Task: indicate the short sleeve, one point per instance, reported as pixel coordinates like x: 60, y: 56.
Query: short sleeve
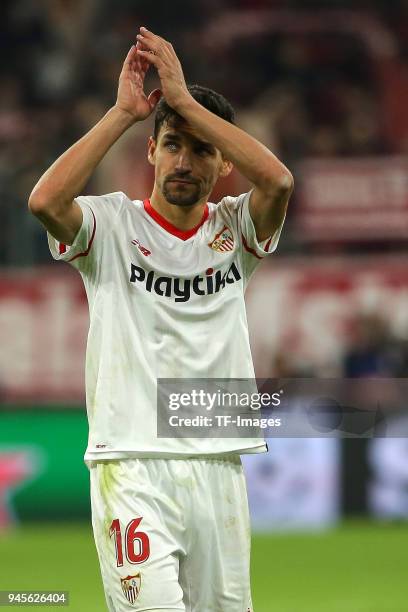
x: 99, y: 214
x: 236, y: 211
x: 250, y: 242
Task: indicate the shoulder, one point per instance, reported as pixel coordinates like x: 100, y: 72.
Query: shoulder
x: 109, y: 208
x: 229, y: 206
x: 115, y: 199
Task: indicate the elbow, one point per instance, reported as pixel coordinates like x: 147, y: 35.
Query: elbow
x: 36, y: 203
x: 287, y: 182
x: 41, y: 204
x: 284, y: 184
x: 279, y: 186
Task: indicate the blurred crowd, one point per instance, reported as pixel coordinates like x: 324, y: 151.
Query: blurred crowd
x: 307, y: 78
x: 371, y: 349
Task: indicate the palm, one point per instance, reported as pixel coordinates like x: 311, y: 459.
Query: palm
x: 131, y: 96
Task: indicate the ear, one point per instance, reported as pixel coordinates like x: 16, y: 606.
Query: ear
x: 151, y: 150
x: 226, y: 168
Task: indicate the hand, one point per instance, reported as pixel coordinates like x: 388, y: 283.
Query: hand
x: 131, y: 97
x: 157, y: 51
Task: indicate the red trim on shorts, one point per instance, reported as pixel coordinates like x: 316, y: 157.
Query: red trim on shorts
x: 169, y: 227
x: 85, y: 253
x: 247, y: 248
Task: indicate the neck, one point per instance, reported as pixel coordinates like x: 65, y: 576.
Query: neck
x: 182, y: 217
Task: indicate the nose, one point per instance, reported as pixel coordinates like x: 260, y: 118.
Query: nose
x: 183, y: 163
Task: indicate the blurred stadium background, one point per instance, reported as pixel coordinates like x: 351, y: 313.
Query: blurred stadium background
x: 325, y: 85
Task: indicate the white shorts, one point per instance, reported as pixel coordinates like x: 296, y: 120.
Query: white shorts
x: 172, y: 534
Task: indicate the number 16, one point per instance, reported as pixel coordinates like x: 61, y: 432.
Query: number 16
x: 131, y: 536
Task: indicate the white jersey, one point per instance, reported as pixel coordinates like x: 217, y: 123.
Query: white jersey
x: 163, y: 303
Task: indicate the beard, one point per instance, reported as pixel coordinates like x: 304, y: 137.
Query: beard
x: 181, y: 194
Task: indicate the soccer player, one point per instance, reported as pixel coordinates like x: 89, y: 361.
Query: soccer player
x: 165, y: 280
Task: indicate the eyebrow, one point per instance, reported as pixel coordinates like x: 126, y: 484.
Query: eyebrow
x: 196, y: 141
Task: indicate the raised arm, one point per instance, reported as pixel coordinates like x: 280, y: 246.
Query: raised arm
x: 52, y: 199
x: 272, y: 181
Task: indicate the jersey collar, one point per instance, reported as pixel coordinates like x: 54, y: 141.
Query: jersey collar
x: 169, y: 227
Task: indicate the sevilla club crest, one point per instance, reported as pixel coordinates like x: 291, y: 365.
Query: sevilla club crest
x: 223, y: 241
x: 131, y: 587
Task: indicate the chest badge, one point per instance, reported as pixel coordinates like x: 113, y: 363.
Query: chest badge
x: 223, y: 241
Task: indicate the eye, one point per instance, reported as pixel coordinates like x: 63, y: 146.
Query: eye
x: 171, y: 146
x: 203, y: 151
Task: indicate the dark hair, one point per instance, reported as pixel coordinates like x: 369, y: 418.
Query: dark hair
x: 211, y: 100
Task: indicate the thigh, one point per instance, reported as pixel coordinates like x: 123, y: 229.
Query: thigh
x: 135, y: 530
x: 216, y: 572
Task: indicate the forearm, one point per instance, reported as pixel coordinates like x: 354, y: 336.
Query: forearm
x: 68, y: 175
x: 259, y: 165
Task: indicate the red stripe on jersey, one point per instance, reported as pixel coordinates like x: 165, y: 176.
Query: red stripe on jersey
x: 247, y: 248
x: 85, y: 253
x: 62, y: 248
x: 169, y: 227
x: 268, y: 244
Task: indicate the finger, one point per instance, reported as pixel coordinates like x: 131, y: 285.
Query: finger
x: 132, y: 63
x: 142, y: 42
x: 154, y: 98
x: 145, y: 32
x: 142, y: 63
x: 150, y: 57
x: 129, y: 61
x: 158, y: 46
x: 148, y: 43
x: 130, y: 55
x: 150, y: 35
